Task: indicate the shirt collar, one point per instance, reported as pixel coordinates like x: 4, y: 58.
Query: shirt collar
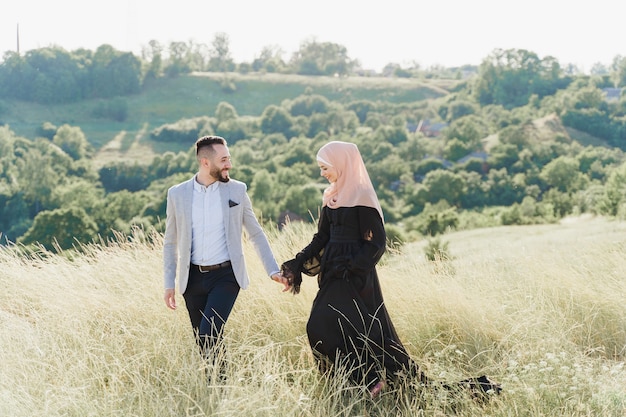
x: 201, y: 188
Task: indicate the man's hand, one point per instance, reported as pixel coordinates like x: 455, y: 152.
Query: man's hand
x: 281, y: 279
x: 170, y: 298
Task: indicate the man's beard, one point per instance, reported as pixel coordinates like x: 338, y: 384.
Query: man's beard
x: 217, y: 173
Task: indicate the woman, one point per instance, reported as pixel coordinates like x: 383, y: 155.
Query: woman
x: 349, y: 324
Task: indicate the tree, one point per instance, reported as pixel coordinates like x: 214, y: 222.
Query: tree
x: 460, y: 108
x: 72, y: 141
x: 502, y: 189
x: 308, y: 104
x: 562, y: 203
x: 114, y: 73
x: 298, y: 152
x: 510, y: 77
x: 38, y: 175
x: 618, y: 71
x: 455, y: 149
x: 125, y: 75
x: 58, y: 78
x: 435, y: 219
x: 563, y: 173
x: 47, y: 130
x: 225, y: 112
x: 469, y: 130
x: 326, y: 58
x: 197, y: 56
x: 154, y: 55
x: 302, y: 200
x: 219, y: 55
x: 412, y: 150
x: 118, y: 211
x: 178, y: 62
x: 64, y: 227
x: 270, y: 60
x: 474, y: 190
x: 46, y: 75
x: 444, y: 185
x: 14, y: 77
x: 263, y: 192
x: 503, y: 156
x: 427, y: 165
x: 614, y: 198
x: 387, y: 170
x: 394, y: 135
x: 276, y: 119
x: 14, y: 215
x: 361, y: 108
x: 117, y: 176
x: 79, y: 192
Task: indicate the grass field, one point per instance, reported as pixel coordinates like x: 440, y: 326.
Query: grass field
x: 538, y: 308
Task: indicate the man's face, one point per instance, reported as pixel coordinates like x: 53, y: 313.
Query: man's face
x: 219, y: 164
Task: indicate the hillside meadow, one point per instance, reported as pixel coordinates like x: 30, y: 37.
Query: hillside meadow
x: 167, y: 100
x: 540, y: 309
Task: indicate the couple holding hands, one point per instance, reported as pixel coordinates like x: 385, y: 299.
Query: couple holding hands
x: 349, y: 323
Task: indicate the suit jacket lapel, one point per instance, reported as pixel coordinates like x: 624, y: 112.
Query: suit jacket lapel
x: 188, y: 203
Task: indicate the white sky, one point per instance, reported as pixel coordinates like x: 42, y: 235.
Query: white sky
x: 438, y: 32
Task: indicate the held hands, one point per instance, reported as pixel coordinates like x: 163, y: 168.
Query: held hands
x: 294, y: 279
x: 169, y: 296
x: 278, y: 277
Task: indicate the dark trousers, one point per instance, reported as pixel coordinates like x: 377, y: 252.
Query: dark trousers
x: 209, y: 298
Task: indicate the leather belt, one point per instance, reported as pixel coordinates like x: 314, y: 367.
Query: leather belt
x: 209, y: 268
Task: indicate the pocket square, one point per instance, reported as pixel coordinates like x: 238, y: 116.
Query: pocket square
x: 231, y: 203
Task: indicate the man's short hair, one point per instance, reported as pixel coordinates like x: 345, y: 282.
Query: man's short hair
x: 207, y: 142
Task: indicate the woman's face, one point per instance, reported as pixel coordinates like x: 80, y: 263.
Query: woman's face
x: 328, y: 172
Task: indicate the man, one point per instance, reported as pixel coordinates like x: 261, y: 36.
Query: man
x: 203, y: 240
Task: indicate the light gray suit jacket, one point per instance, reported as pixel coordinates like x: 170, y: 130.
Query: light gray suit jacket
x: 238, y: 214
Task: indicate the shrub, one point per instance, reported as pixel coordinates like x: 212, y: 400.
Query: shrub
x: 47, y: 130
x: 436, y: 250
x: 115, y: 109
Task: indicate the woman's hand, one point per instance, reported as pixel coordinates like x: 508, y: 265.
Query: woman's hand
x: 293, y: 278
x: 283, y: 280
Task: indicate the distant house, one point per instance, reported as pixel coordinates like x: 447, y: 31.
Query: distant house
x: 411, y: 127
x: 429, y: 129
x: 612, y: 94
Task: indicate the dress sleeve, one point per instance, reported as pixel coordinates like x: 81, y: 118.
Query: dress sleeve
x: 314, y: 249
x: 373, y: 241
x: 307, y: 261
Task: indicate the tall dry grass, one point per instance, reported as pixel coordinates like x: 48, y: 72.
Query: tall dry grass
x: 540, y: 309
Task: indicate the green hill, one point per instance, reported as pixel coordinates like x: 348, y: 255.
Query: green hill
x: 167, y: 100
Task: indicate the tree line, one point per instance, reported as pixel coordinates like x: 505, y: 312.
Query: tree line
x: 510, y: 78
x: 54, y: 75
x: 493, y: 163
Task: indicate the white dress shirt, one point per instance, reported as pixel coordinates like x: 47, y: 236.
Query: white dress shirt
x: 208, y: 236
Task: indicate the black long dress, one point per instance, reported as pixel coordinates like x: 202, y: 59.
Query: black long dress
x: 349, y: 324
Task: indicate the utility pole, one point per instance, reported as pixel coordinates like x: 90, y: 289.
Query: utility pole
x: 18, y: 39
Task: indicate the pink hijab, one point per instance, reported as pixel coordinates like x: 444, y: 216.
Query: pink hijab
x: 353, y: 186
